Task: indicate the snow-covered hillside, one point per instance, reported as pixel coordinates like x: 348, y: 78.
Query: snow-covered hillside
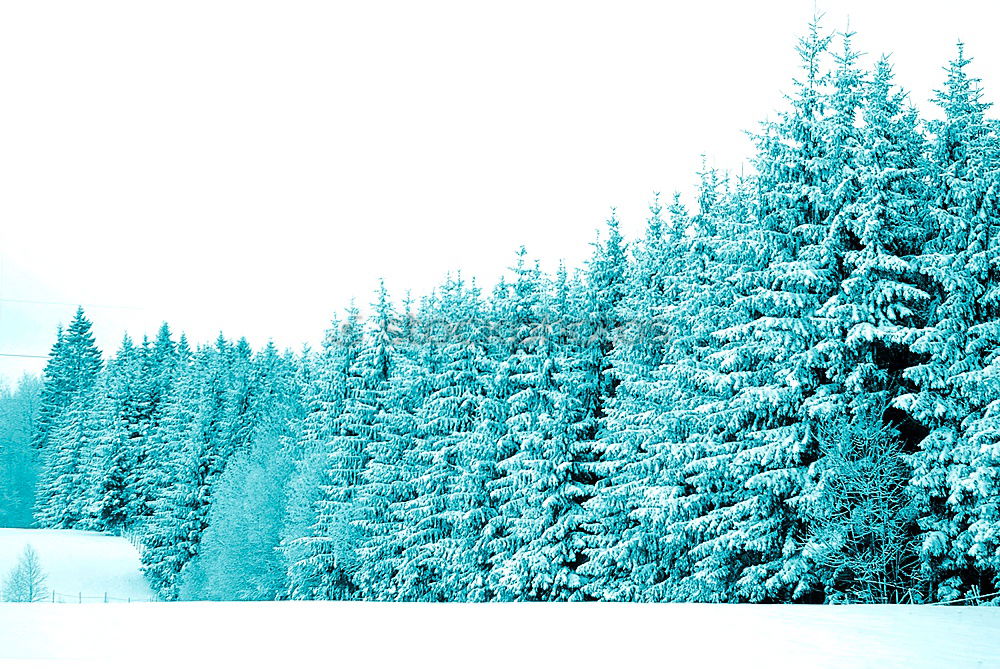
x: 79, y: 564
x: 501, y: 635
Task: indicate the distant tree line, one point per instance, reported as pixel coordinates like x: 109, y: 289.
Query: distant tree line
x: 788, y: 393
x: 18, y: 460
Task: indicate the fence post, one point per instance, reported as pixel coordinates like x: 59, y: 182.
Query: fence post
x: 53, y: 596
x: 105, y: 598
x: 80, y: 595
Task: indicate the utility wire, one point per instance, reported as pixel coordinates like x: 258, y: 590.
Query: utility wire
x: 70, y: 304
x: 12, y: 300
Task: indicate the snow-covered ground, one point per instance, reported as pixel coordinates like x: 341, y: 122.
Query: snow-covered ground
x: 79, y: 564
x: 605, y: 636
x: 455, y: 635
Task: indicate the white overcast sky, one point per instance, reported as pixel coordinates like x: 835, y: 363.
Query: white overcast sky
x: 250, y: 166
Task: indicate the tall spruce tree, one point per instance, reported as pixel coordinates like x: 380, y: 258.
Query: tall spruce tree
x: 957, y: 262
x: 439, y: 520
x: 386, y: 482
x: 758, y: 443
x: 70, y: 377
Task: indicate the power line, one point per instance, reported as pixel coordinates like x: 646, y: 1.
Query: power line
x: 69, y: 304
x: 21, y: 355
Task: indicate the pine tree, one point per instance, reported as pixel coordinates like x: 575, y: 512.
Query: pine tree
x: 205, y: 445
x: 153, y: 374
x: 172, y: 425
x: 165, y: 539
x: 73, y: 365
x: 531, y: 552
x: 752, y: 458
x: 444, y: 517
x: 638, y: 350
x: 56, y: 393
x: 118, y: 412
x: 385, y: 483
x: 68, y: 464
x: 677, y: 299
x: 870, y: 322
x: 321, y: 540
x: 957, y: 260
x: 69, y: 378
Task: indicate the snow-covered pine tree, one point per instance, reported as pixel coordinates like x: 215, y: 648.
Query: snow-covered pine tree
x: 241, y: 409
x: 587, y: 314
x: 561, y: 452
x: 200, y: 455
x: 68, y: 463
x: 386, y: 483
x: 677, y: 299
x: 69, y: 379
x: 869, y: 324
x: 163, y: 538
x: 973, y: 481
x: 55, y: 395
x: 172, y: 424
x: 698, y: 302
x: 439, y: 536
x: 638, y: 350
x: 758, y: 444
x: 118, y: 410
x: 73, y: 366
x: 324, y: 388
x: 534, y: 552
x: 958, y: 260
x: 149, y: 390
x: 515, y: 310
x: 323, y: 507
x: 481, y: 520
x: 600, y: 319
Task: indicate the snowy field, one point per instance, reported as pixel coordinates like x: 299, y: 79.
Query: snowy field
x: 86, y: 564
x: 454, y: 635
x: 607, y: 636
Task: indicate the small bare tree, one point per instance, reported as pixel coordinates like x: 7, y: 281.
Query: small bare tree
x: 26, y: 581
x: 862, y: 524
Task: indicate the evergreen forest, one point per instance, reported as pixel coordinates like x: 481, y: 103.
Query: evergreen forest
x: 786, y: 389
